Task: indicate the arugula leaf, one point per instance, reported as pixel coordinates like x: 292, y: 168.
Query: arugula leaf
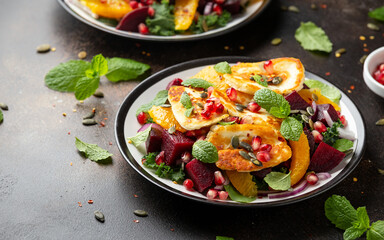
x: 1, y: 116
x: 160, y: 99
x: 162, y: 170
x: 260, y: 80
x: 85, y: 87
x: 207, y: 22
x: 140, y: 137
x: 122, y: 69
x: 328, y: 91
x: 291, y: 129
x: 236, y: 196
x: 223, y: 67
x: 353, y: 233
x: 332, y: 135
x: 185, y: 100
x: 278, y: 180
x: 99, y: 64
x: 311, y: 37
x: 342, y: 144
x: 227, y: 123
x: 224, y: 238
x: 92, y: 151
x: 377, y: 14
x: 64, y: 77
x: 188, y: 112
x: 205, y: 152
x: 197, y: 82
x: 162, y: 22
x: 340, y: 212
x: 376, y: 231
x: 274, y: 103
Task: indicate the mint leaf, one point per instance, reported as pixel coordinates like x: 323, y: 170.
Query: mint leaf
x: 224, y: 238
x: 188, y: 112
x: 236, y: 196
x: 353, y: 233
x: 162, y: 22
x: 311, y: 37
x: 274, y: 103
x: 362, y: 218
x: 223, y: 67
x: 291, y: 129
x: 85, y: 87
x: 160, y: 99
x: 227, y: 123
x: 99, y: 64
x: 342, y: 144
x: 197, y: 83
x: 140, y: 137
x: 377, y: 14
x: 205, y: 152
x: 376, y: 232
x: 260, y: 80
x: 278, y: 180
x: 64, y: 77
x: 186, y: 100
x: 162, y: 170
x: 92, y: 151
x: 328, y: 91
x: 121, y: 69
x: 1, y: 116
x: 340, y: 211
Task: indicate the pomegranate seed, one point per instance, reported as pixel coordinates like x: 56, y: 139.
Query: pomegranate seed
x: 186, y: 157
x: 231, y: 119
x: 219, y: 179
x: 103, y: 1
x: 256, y: 142
x: 213, y: 100
x: 312, y: 178
x: 212, y: 194
x: 210, y: 106
x: 140, y: 5
x: 338, y: 113
x: 319, y: 126
x: 381, y: 67
x: 147, y: 2
x: 253, y: 107
x: 318, y: 137
x: 217, y: 9
x: 188, y: 184
x: 142, y: 118
x: 219, y: 1
x: 223, y: 195
x: 143, y: 29
x: 343, y: 120
x: 206, y: 114
x: 151, y: 11
x: 160, y: 158
x: 232, y: 94
x: 246, y: 120
x: 268, y: 66
x: 379, y: 77
x: 209, y: 91
x: 134, y: 4
x: 263, y: 156
x: 219, y: 108
x: 265, y: 147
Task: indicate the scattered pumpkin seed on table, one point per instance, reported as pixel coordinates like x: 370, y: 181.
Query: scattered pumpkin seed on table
x: 43, y: 48
x: 3, y: 106
x: 380, y: 122
x: 293, y: 9
x: 89, y: 116
x: 276, y: 41
x: 89, y: 122
x: 373, y: 27
x: 362, y: 59
x: 313, y: 6
x: 140, y: 213
x: 82, y: 55
x: 99, y: 216
x: 98, y: 94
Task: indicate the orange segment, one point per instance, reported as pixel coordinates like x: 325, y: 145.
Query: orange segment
x: 184, y: 12
x: 108, y: 8
x: 300, y: 158
x: 165, y: 118
x: 242, y: 181
x: 307, y: 94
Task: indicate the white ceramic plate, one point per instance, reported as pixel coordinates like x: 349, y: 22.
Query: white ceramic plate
x: 126, y: 125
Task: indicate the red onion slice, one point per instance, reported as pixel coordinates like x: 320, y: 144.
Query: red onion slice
x: 303, y: 185
x: 323, y: 175
x: 328, y: 118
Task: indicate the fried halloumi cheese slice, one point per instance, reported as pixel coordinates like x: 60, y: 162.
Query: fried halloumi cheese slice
x: 196, y: 120
x: 230, y: 159
x: 291, y: 71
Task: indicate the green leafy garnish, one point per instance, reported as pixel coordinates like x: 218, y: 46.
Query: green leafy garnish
x: 92, y: 151
x: 342, y: 144
x: 377, y: 14
x: 185, y: 100
x: 223, y: 67
x: 99, y: 65
x: 122, y: 69
x: 376, y: 231
x: 205, y: 152
x: 224, y: 238
x: 1, y: 116
x: 313, y: 38
x: 236, y: 196
x: 278, y: 180
x: 207, y: 22
x: 85, y: 87
x: 328, y: 91
x: 188, y: 112
x: 162, y: 170
x: 260, y: 80
x: 291, y: 129
x: 140, y: 137
x: 160, y: 99
x: 227, y: 123
x: 331, y: 135
x: 197, y: 83
x: 274, y: 103
x: 162, y: 22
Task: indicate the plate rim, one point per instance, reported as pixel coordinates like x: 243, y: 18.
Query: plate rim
x: 194, y: 37
x: 139, y: 89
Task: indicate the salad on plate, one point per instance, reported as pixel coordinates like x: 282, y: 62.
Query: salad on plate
x: 245, y: 131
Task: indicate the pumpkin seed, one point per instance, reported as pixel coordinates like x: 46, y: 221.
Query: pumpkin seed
x: 381, y: 171
x: 284, y: 8
x: 240, y: 107
x: 256, y: 162
x: 305, y: 118
x: 295, y: 111
x: 315, y: 97
x: 204, y: 95
x: 362, y: 59
x: 172, y: 129
x: 373, y: 27
x: 235, y: 142
x: 99, y: 216
x: 276, y: 41
x: 140, y: 213
x: 311, y: 124
x: 277, y: 80
x: 89, y: 122
x: 380, y: 122
x: 293, y: 9
x: 252, y: 155
x: 310, y: 111
x: 245, y: 155
x: 98, y: 94
x: 89, y: 116
x: 166, y: 105
x: 246, y: 146
x: 43, y: 48
x: 200, y: 105
x: 341, y: 51
x: 82, y: 54
x: 3, y: 106
x: 313, y: 6
x: 304, y: 112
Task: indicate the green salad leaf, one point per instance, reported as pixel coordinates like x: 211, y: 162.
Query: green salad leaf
x: 313, y: 38
x: 205, y: 152
x: 223, y: 67
x: 278, y: 180
x: 122, y: 69
x: 160, y: 98
x: 342, y: 144
x: 140, y: 137
x: 332, y: 134
x: 162, y: 22
x: 291, y: 129
x: 227, y: 123
x: 207, y: 22
x: 377, y: 14
x: 236, y: 196
x: 1, y: 116
x: 197, y: 82
x: 224, y: 238
x: 162, y: 170
x: 328, y: 91
x: 92, y: 151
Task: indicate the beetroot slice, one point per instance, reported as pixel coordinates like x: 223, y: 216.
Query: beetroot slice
x: 296, y: 101
x: 154, y: 140
x: 201, y: 174
x: 131, y: 20
x: 174, y: 145
x: 325, y: 158
x: 319, y: 115
x: 311, y: 141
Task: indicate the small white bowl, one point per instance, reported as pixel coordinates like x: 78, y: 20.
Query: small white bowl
x: 370, y: 65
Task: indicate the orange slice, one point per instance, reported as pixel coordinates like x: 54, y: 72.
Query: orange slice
x: 300, y: 158
x: 108, y: 8
x: 242, y: 181
x: 184, y: 12
x: 165, y: 118
x: 307, y: 95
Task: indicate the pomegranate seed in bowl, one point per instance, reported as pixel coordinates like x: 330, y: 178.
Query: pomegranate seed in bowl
x: 142, y: 118
x: 223, y: 195
x: 253, y: 107
x: 188, y: 184
x: 319, y: 126
x: 256, y: 142
x: 312, y: 178
x: 143, y: 29
x: 263, y: 156
x: 266, y: 147
x: 219, y: 178
x: 317, y: 135
x: 212, y: 194
x: 268, y: 66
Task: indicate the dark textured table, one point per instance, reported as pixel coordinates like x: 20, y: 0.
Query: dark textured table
x: 40, y: 189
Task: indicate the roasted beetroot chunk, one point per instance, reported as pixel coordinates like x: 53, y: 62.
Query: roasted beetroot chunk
x: 296, y: 101
x: 311, y: 140
x: 201, y: 174
x: 325, y: 158
x: 319, y: 113
x: 174, y: 145
x: 174, y: 82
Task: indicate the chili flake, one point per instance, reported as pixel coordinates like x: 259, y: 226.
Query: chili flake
x: 102, y: 123
x: 90, y: 201
x: 136, y: 221
x: 135, y: 196
x: 324, y: 6
x: 110, y: 143
x: 69, y: 133
x: 226, y: 47
x: 148, y: 54
x: 366, y: 50
x: 143, y: 52
x: 352, y: 87
x: 79, y: 203
x: 364, y: 45
x: 327, y: 73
